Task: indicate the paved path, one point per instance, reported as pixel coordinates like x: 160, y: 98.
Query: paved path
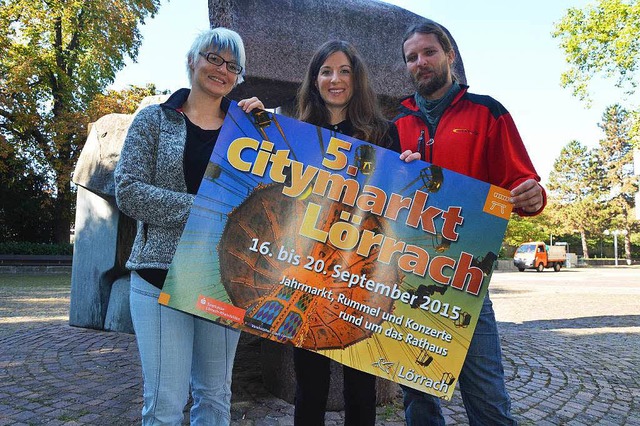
x: 571, y: 343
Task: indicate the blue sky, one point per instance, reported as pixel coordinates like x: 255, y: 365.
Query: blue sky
x: 506, y: 46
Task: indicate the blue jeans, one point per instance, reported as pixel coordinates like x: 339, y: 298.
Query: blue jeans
x: 482, y: 386
x: 178, y: 350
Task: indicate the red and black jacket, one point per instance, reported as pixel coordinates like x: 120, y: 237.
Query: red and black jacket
x: 475, y: 136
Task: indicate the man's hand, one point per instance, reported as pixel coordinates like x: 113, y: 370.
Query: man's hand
x: 527, y: 196
x: 409, y: 156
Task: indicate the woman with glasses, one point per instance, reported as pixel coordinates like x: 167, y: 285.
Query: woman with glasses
x: 162, y: 162
x: 336, y: 94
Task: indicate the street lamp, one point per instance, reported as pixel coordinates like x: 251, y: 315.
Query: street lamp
x: 615, y: 234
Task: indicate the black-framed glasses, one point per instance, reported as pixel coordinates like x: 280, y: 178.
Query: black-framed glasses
x: 214, y: 59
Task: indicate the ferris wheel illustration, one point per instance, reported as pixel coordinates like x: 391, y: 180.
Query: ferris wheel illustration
x: 306, y: 321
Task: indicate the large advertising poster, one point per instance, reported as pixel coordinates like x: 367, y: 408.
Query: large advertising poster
x: 319, y: 240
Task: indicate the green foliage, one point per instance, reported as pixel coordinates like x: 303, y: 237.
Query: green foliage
x: 25, y: 205
x: 594, y: 190
x: 121, y: 101
x: 615, y: 153
x: 57, y: 56
x: 28, y: 248
x: 575, y: 193
x: 569, y: 180
x: 523, y: 229
x: 601, y: 39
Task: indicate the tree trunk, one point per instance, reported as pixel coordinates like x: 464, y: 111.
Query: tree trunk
x: 585, y: 247
x: 627, y: 247
x: 62, y: 214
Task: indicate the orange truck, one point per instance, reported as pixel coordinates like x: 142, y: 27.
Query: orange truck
x: 537, y: 255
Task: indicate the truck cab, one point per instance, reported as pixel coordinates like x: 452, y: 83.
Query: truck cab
x: 537, y: 255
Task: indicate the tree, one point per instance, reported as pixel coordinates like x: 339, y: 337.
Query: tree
x: 25, y: 198
x: 24, y: 204
x: 601, y: 39
x: 57, y: 56
x: 124, y: 101
x: 615, y: 155
x: 573, y: 187
x: 523, y: 229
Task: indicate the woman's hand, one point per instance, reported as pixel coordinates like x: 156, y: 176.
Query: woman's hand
x: 250, y: 104
x: 409, y: 156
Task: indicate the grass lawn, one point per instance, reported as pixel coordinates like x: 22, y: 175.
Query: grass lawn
x: 32, y: 282
x: 28, y: 301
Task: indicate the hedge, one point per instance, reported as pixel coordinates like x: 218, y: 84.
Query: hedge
x: 27, y: 248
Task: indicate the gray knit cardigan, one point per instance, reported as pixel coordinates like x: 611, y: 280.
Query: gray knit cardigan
x: 150, y: 184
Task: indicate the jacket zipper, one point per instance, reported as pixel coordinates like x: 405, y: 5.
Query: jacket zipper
x: 422, y: 145
x: 421, y: 139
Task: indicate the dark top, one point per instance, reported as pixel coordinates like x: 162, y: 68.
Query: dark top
x: 197, y: 151
x: 390, y: 140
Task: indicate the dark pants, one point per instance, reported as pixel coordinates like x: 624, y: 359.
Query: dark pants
x: 312, y: 390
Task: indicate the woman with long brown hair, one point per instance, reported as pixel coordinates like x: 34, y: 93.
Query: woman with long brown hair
x: 336, y: 94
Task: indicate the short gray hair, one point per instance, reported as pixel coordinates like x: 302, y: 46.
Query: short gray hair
x: 217, y: 40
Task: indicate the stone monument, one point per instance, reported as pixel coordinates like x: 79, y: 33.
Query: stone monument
x: 280, y: 38
x: 99, y: 280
